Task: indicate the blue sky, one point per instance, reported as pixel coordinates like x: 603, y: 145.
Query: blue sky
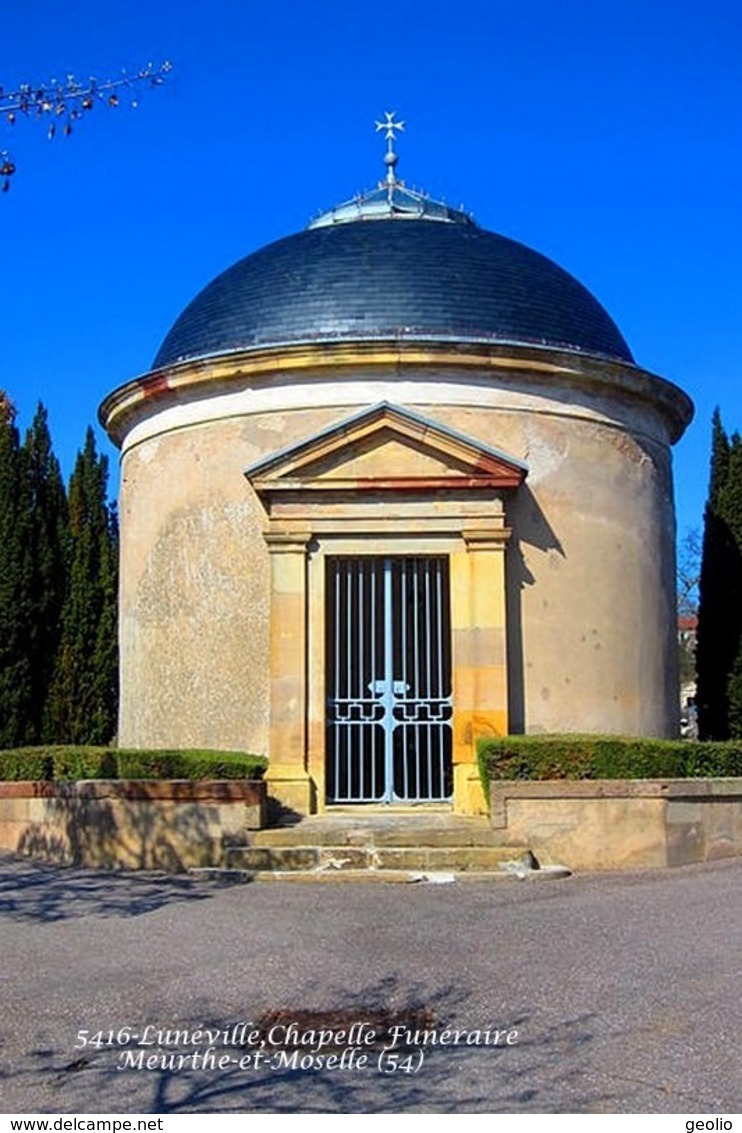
x: 607, y: 136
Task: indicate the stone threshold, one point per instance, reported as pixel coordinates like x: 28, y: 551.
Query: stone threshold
x: 375, y: 876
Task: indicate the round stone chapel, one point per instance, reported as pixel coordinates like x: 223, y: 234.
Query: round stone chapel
x: 393, y: 484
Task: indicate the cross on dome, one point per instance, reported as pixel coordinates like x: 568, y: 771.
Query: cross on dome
x: 389, y: 126
x: 391, y: 199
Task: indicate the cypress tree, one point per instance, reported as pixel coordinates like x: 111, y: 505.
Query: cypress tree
x: 16, y: 689
x: 49, y: 538
x: 104, y: 699
x: 734, y: 698
x: 731, y: 509
x: 83, y: 699
x: 720, y: 588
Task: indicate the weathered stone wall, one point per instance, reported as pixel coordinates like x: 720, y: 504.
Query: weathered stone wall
x: 590, y: 565
x: 193, y: 595
x: 620, y: 823
x: 591, y: 584
x: 129, y: 824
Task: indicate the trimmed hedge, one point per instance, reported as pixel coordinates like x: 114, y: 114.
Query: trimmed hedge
x: 605, y: 757
x: 74, y: 763
x: 33, y: 763
x: 189, y: 765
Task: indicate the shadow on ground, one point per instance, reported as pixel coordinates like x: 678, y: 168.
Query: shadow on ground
x: 538, y: 1074
x: 33, y: 892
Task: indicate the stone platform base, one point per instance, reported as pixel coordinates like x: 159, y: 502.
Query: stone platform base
x: 130, y: 824
x: 182, y: 825
x: 620, y: 823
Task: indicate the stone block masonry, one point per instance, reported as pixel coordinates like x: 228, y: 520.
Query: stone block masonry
x: 130, y: 824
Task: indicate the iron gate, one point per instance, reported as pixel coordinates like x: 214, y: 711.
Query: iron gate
x: 388, y: 680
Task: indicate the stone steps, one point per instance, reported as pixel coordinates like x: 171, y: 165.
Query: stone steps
x: 364, y: 876
x: 428, y: 844
x: 458, y: 859
x: 405, y: 827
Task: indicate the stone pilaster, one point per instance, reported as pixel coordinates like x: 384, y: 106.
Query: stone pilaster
x: 287, y: 776
x: 478, y: 631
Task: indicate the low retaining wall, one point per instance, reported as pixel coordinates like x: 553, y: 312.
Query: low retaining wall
x: 620, y: 823
x: 174, y: 825
x: 130, y: 824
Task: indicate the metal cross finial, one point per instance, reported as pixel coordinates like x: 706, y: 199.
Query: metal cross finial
x: 389, y: 127
x: 390, y: 158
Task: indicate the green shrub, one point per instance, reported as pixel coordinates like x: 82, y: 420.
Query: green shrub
x: 58, y: 762
x: 604, y: 757
x: 190, y: 765
x: 73, y: 763
x: 713, y: 759
x: 26, y: 763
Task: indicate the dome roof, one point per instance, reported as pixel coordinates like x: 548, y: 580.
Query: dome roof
x: 363, y: 272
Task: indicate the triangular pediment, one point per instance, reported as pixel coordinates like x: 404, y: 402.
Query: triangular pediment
x: 386, y: 447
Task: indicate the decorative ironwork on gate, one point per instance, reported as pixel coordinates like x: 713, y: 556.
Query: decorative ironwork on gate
x: 389, y: 680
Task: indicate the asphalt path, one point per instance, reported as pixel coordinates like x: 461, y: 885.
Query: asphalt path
x: 624, y: 991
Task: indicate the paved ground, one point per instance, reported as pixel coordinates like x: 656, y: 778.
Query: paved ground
x: 624, y: 989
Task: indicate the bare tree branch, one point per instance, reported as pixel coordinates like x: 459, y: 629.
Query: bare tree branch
x: 63, y: 103
x: 689, y: 572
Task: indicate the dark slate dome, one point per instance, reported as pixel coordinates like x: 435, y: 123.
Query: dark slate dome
x: 411, y: 276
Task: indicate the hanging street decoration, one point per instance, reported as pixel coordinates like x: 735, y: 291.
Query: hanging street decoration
x: 62, y: 103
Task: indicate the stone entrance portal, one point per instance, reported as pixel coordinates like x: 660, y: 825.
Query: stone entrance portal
x: 389, y: 694
x: 388, y: 647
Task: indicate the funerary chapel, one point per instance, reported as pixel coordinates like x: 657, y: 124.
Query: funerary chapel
x: 393, y: 484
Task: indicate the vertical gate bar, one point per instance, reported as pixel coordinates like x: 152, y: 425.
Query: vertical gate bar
x: 336, y: 674
x: 439, y: 784
x: 425, y: 664
x: 359, y: 678
x: 410, y: 736
x: 373, y: 630
x: 444, y: 689
x: 444, y: 648
x: 403, y: 618
x: 344, y: 567
x: 388, y: 682
x: 359, y: 664
x: 405, y: 739
x: 418, y: 682
x: 403, y: 744
x: 373, y: 623
x: 343, y: 675
x: 438, y: 624
x: 362, y: 692
x: 427, y: 628
x: 428, y: 636
x: 358, y: 792
x: 371, y: 674
x: 437, y: 630
x: 349, y: 689
x: 423, y: 692
x: 442, y: 763
x: 368, y: 672
x: 358, y: 692
x: 348, y: 576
